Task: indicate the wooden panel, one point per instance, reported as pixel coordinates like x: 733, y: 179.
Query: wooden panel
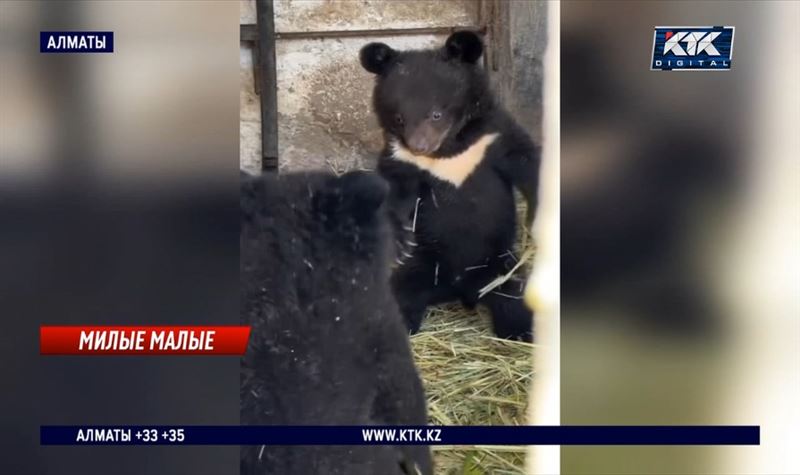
x: 517, y: 37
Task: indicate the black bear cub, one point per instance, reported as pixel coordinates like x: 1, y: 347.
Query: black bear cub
x: 327, y: 345
x: 452, y: 157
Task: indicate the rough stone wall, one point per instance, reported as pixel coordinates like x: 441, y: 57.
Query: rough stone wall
x: 325, y: 117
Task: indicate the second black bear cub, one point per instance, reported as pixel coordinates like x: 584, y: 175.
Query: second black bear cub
x: 452, y: 156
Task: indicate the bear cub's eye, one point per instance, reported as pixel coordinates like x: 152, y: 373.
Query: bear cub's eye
x: 436, y: 115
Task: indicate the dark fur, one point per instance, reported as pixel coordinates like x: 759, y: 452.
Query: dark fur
x: 457, y: 228
x: 328, y: 346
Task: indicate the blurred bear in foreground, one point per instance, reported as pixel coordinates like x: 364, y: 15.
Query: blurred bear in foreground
x: 328, y: 345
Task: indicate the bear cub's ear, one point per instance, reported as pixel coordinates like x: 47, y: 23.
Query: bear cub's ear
x: 357, y: 194
x: 377, y: 57
x: 465, y: 46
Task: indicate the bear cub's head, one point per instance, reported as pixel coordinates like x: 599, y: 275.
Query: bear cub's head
x: 425, y: 98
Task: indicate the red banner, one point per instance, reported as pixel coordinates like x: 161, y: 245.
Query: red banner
x: 143, y: 340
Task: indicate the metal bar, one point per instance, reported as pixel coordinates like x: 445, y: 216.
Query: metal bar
x: 268, y: 83
x: 256, y: 52
x: 249, y: 32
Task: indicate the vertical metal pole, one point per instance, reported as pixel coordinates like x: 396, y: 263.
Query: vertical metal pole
x: 268, y: 83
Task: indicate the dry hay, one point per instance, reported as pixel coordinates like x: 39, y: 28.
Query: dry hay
x: 473, y: 378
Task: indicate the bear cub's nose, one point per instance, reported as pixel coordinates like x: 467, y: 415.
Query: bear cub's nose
x: 421, y: 144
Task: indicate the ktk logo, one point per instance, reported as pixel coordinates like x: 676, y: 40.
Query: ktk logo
x: 696, y: 42
x: 692, y: 48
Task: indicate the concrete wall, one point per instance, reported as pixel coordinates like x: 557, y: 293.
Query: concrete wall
x: 325, y: 118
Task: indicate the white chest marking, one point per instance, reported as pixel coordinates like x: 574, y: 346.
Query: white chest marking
x: 453, y: 169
